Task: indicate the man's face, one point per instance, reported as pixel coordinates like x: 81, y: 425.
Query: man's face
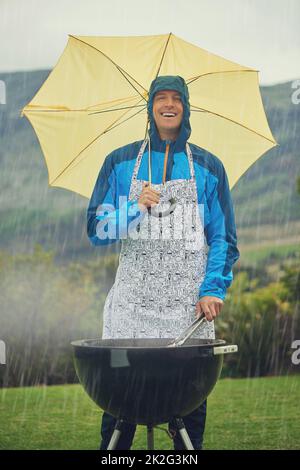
x: 167, y: 113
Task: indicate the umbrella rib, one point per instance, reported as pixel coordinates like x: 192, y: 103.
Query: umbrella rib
x: 110, y: 126
x: 118, y: 119
x: 219, y: 71
x: 163, y: 55
x: 202, y: 110
x: 96, y: 112
x: 118, y: 109
x: 96, y: 138
x: 122, y: 71
x: 56, y: 110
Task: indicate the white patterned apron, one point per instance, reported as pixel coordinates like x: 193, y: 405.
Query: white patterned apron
x: 157, y: 281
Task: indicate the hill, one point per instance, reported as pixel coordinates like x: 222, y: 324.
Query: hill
x: 265, y: 198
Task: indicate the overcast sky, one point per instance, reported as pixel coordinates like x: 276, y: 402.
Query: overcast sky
x: 262, y: 34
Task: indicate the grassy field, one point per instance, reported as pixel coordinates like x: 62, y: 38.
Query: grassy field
x: 259, y: 413
x: 259, y: 255
x: 269, y: 243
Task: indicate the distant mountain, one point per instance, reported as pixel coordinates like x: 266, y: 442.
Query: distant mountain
x: 31, y: 212
x: 267, y: 193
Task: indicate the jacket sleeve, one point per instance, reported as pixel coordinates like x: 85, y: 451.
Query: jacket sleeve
x: 108, y: 216
x: 220, y: 232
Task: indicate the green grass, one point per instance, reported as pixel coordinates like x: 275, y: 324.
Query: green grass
x: 259, y: 413
x: 254, y: 256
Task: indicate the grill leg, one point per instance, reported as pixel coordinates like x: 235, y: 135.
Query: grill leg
x: 150, y: 438
x: 183, y: 433
x: 116, y: 435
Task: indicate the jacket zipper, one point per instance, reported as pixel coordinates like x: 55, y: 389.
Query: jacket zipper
x: 165, y: 162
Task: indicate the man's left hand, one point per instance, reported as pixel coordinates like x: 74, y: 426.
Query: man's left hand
x: 210, y: 306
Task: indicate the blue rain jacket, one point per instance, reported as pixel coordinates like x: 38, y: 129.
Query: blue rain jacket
x: 213, y: 192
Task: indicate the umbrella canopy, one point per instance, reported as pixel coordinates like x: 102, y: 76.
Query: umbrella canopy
x: 95, y: 100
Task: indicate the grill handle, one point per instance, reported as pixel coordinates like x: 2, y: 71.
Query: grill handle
x: 230, y: 348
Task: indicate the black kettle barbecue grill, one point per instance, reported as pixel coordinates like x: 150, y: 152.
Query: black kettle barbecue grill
x: 150, y: 381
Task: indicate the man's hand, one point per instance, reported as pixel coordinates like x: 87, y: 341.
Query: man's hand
x: 148, y: 197
x: 210, y: 306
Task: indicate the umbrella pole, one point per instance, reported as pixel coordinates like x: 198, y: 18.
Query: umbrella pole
x: 149, y: 162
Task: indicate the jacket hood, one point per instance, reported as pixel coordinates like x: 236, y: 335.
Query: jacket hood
x: 177, y: 83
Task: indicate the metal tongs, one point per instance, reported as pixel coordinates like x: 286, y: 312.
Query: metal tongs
x: 181, y: 339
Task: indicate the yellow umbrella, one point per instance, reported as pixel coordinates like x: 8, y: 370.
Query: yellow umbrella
x: 95, y: 100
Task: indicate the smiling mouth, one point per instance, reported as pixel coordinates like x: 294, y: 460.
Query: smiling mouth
x: 168, y: 115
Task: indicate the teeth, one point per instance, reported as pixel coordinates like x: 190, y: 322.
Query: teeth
x: 168, y: 114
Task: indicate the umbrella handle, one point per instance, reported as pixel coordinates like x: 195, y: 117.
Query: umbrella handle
x: 156, y: 213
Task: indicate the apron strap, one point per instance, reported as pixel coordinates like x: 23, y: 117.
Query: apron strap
x: 138, y: 160
x: 190, y: 159
x: 140, y: 154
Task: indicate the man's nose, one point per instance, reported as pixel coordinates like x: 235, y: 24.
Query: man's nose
x: 170, y: 102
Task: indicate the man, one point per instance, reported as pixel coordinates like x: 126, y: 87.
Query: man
x: 161, y: 285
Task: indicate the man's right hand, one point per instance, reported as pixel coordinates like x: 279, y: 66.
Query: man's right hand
x: 148, y: 197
